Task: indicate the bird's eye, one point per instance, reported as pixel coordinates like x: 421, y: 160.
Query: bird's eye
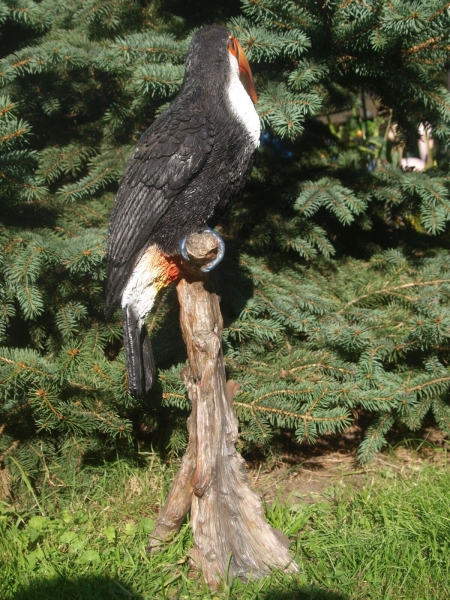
x: 232, y: 46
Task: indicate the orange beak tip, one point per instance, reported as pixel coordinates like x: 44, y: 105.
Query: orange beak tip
x: 247, y: 82
x: 245, y: 74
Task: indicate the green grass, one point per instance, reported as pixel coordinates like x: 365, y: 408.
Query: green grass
x: 390, y: 540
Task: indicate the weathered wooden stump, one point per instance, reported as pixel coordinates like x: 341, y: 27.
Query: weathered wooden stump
x: 231, y: 536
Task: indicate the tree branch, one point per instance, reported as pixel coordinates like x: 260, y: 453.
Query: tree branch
x: 231, y: 536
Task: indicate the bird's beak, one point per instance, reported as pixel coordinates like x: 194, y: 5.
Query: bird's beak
x: 245, y: 74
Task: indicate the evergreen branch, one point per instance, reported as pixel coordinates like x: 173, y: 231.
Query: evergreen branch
x: 43, y: 395
x: 320, y: 366
x: 33, y: 309
x: 6, y: 109
x: 414, y: 419
x: 331, y: 194
x: 423, y: 386
x: 294, y: 415
x: 423, y: 45
x: 22, y: 63
x: 388, y: 291
x: 18, y: 408
x: 81, y: 386
x: 100, y: 372
x: 438, y: 99
x: 13, y: 135
x: 439, y: 11
x: 90, y: 183
x: 282, y: 392
x: 168, y: 395
x: 302, y: 299
x: 69, y: 159
x: 79, y: 214
x: 38, y: 190
x: 259, y: 425
x: 375, y: 438
x: 22, y: 366
x: 10, y: 450
x: 317, y: 401
x: 107, y: 420
x: 442, y: 414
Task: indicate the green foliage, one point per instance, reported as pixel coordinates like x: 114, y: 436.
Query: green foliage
x: 374, y: 318
x: 335, y: 287
x: 388, y: 539
x: 372, y: 335
x: 79, y: 88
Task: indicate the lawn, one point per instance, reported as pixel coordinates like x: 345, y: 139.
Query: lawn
x: 389, y: 539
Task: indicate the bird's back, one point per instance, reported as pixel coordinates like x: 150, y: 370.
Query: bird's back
x: 187, y: 168
x: 182, y: 176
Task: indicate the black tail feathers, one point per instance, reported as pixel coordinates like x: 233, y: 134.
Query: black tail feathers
x: 138, y: 353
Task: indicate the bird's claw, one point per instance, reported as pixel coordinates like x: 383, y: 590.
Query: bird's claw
x: 183, y: 250
x: 220, y: 254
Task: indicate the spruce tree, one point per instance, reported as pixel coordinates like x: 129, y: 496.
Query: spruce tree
x: 335, y: 285
x: 362, y: 320
x: 83, y: 81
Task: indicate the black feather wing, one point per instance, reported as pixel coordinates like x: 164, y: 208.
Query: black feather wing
x: 169, y: 155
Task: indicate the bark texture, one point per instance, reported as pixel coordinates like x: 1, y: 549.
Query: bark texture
x: 232, y: 539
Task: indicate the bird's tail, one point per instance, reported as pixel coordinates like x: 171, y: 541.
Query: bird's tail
x: 140, y: 363
x: 151, y: 273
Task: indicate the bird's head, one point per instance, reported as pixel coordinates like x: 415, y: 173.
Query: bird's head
x: 245, y: 73
x: 213, y: 49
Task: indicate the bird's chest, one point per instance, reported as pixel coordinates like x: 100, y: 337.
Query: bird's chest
x: 237, y: 128
x: 243, y: 111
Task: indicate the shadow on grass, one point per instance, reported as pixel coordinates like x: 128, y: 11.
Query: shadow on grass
x: 87, y: 587
x: 309, y: 592
x: 100, y: 587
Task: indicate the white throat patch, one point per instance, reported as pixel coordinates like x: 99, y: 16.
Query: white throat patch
x: 241, y: 103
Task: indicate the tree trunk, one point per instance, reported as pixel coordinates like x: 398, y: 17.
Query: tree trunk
x: 232, y: 539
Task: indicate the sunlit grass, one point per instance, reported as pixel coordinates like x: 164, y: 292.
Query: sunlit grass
x: 390, y: 540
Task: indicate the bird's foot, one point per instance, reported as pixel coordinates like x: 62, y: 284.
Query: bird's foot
x: 220, y: 254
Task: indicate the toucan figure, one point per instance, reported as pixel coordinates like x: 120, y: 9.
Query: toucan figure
x: 186, y: 170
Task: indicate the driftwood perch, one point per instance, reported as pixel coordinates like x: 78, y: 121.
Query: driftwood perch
x: 231, y: 536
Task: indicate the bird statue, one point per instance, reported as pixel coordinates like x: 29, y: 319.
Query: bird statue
x: 186, y: 171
